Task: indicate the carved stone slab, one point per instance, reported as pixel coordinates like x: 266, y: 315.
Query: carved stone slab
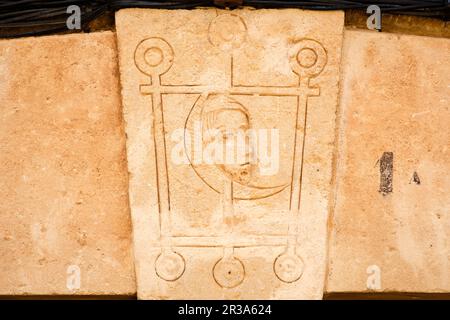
x: 242, y: 229
x: 391, y: 227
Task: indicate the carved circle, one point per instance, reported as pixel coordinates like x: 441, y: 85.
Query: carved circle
x: 307, y: 58
x: 227, y: 31
x: 229, y: 272
x: 170, y: 266
x: 288, y: 267
x: 153, y: 56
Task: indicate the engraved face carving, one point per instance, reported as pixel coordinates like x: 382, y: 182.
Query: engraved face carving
x: 226, y: 121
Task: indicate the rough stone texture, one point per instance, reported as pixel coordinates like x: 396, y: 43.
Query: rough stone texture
x: 63, y: 168
x: 229, y: 231
x: 394, y: 98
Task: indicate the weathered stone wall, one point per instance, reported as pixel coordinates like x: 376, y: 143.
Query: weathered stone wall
x: 64, y: 179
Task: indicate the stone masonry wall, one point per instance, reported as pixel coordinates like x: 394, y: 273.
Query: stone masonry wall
x: 381, y: 186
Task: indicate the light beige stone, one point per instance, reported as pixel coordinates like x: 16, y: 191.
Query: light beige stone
x: 64, y: 200
x: 395, y: 94
x: 229, y: 231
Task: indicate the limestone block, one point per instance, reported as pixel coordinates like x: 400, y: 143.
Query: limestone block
x: 195, y: 82
x: 64, y: 216
x: 391, y: 225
